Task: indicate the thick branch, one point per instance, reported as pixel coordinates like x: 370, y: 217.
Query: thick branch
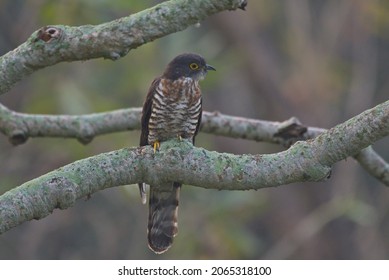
x: 179, y: 161
x: 112, y: 40
x: 19, y: 127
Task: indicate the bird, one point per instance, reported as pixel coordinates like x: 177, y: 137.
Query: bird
x: 172, y: 109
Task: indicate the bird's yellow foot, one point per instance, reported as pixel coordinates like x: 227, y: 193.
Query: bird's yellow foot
x: 156, y: 146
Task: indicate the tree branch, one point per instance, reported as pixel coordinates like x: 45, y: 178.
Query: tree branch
x: 181, y: 161
x: 19, y: 127
x: 113, y: 40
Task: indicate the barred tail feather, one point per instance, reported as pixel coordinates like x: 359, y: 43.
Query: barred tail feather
x: 163, y: 210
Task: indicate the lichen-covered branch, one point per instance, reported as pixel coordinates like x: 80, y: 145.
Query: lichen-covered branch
x: 179, y: 161
x: 374, y: 164
x: 19, y: 127
x: 53, y: 44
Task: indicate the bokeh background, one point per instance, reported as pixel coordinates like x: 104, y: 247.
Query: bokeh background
x: 321, y: 61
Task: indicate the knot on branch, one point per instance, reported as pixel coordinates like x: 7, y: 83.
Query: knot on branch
x: 47, y: 33
x: 291, y: 131
x: 86, y: 132
x: 243, y: 5
x: 85, y: 139
x: 18, y: 137
x: 13, y: 127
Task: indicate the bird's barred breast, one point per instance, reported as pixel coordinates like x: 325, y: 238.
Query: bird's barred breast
x: 175, y: 110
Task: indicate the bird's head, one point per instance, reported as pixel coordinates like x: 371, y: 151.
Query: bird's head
x: 187, y: 65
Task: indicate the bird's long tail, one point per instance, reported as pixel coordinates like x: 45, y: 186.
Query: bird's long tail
x: 163, y: 210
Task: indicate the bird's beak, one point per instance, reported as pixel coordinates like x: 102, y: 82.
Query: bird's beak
x: 209, y: 67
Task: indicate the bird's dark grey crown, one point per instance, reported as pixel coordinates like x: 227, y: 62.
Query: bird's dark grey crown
x: 185, y: 65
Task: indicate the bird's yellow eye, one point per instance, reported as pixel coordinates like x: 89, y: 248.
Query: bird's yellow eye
x: 194, y: 66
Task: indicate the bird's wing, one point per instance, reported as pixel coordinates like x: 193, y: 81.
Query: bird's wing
x: 198, y: 120
x: 146, y: 113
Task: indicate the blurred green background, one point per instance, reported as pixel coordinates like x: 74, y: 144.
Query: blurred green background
x: 321, y: 61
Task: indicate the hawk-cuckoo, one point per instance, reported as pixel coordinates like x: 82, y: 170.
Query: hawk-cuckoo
x: 172, y: 109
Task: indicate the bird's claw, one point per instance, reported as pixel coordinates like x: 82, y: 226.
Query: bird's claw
x: 156, y: 146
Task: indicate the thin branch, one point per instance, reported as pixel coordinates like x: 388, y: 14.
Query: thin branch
x: 113, y: 40
x: 19, y: 127
x: 374, y: 164
x: 180, y: 161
